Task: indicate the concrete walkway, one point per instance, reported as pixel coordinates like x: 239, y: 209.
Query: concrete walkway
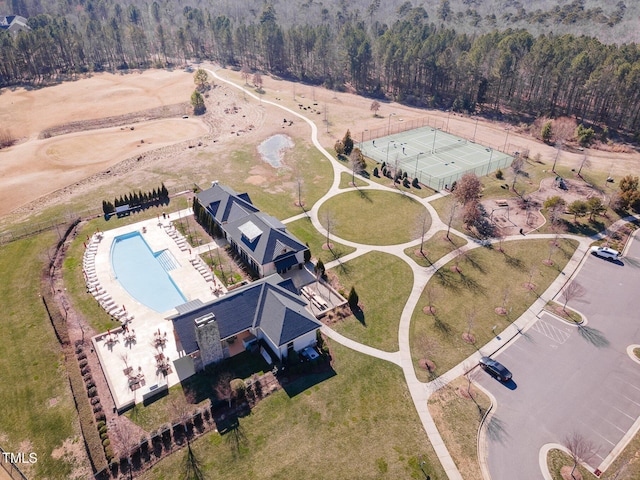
x: 420, y: 392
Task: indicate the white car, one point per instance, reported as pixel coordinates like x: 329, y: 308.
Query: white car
x: 605, y: 252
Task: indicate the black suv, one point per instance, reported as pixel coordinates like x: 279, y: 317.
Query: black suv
x: 495, y: 369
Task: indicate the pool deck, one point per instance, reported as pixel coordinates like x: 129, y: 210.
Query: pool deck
x: 153, y: 333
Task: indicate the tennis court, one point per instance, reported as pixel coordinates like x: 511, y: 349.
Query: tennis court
x: 435, y: 157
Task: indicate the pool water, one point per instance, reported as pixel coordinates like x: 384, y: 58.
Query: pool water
x: 272, y: 149
x: 144, y: 274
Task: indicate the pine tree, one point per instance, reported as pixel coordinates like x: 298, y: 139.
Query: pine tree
x: 353, y: 298
x: 347, y: 141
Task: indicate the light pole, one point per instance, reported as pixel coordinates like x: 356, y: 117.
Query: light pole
x: 504, y: 149
x: 448, y: 113
x: 433, y: 148
x: 388, y: 144
x: 389, y: 124
x: 474, y: 131
x: 490, y: 157
x: 553, y: 169
x: 417, y: 157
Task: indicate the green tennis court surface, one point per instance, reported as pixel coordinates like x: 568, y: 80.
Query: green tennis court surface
x: 435, y: 157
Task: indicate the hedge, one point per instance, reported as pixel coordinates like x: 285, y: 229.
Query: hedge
x: 90, y: 433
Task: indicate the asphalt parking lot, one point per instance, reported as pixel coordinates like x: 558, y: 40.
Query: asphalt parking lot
x: 568, y: 379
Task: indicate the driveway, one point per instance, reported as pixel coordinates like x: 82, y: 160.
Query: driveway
x: 568, y: 379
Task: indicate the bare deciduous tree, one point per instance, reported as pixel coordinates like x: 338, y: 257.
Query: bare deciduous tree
x: 516, y: 166
x: 580, y: 449
x: 432, y: 294
x: 257, y: 80
x: 375, y: 106
x: 572, y: 291
x: 245, y: 73
x: 584, y: 163
x: 357, y: 164
x: 223, y: 387
x: 329, y: 224
x: 423, y: 223
x: 450, y: 215
x: 125, y: 438
x: 468, y: 188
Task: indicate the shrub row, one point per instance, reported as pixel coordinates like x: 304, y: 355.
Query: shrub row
x: 89, y: 432
x: 94, y: 399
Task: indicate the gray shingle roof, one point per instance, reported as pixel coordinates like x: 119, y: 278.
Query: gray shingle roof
x: 238, y: 216
x: 268, y: 304
x: 225, y: 204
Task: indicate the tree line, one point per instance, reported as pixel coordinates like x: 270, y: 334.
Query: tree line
x: 410, y: 60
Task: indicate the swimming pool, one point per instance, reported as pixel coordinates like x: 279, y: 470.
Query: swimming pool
x: 144, y: 274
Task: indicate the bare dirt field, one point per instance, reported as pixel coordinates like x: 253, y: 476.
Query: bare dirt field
x: 26, y: 112
x: 37, y: 173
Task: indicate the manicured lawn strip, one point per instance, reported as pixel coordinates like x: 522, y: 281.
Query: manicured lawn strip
x: 458, y: 418
x: 480, y: 288
x: 636, y: 352
x: 443, y: 206
x: 556, y: 459
x: 373, y: 217
x: 306, y: 233
x: 360, y: 423
x: 563, y: 312
x: 345, y: 181
x: 383, y: 283
x: 31, y: 366
x: 278, y: 198
x: 82, y: 301
x: 435, y: 248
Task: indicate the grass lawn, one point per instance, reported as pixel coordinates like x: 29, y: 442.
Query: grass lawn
x: 383, y: 283
x: 563, y: 312
x: 360, y: 423
x: 556, y: 459
x: 458, y: 416
x: 373, y: 217
x: 636, y: 352
x: 38, y: 413
x: 199, y: 388
x: 279, y: 196
x: 435, y: 248
x: 304, y: 230
x: 345, y: 181
x: 489, y: 279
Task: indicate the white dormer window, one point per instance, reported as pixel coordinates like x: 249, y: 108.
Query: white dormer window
x: 250, y: 231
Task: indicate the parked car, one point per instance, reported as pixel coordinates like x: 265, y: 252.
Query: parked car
x: 309, y: 353
x: 495, y: 369
x: 605, y: 252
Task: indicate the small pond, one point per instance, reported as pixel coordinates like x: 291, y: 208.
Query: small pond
x: 272, y: 149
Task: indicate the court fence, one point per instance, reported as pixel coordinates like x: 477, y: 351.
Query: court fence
x: 437, y: 182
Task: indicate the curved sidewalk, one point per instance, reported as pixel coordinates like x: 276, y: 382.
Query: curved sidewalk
x: 420, y: 392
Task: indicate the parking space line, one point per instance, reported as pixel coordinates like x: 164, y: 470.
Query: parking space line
x: 624, y: 413
x: 598, y: 433
x: 614, y: 425
x: 551, y: 331
x: 631, y: 400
